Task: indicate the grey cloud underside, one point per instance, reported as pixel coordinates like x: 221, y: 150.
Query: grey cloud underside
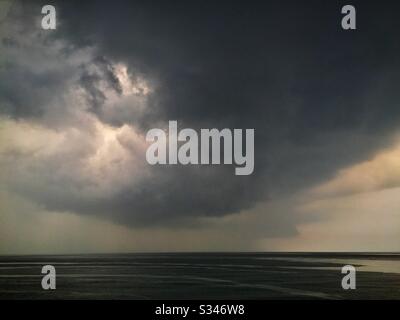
x: 319, y: 98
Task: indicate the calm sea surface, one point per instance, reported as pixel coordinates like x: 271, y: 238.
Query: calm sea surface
x: 202, y: 276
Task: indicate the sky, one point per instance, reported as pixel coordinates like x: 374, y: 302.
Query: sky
x: 76, y: 104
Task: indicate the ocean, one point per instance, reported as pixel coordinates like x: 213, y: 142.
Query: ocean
x: 189, y: 276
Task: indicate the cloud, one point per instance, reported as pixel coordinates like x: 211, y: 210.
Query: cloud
x: 76, y: 104
x: 363, y: 222
x: 382, y: 171
x: 27, y: 227
x: 356, y: 210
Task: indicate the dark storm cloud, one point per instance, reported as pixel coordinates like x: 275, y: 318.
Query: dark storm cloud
x: 318, y: 97
x: 284, y: 68
x: 90, y: 82
x: 174, y: 196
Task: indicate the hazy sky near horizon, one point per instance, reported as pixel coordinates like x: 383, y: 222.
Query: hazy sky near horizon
x: 76, y: 103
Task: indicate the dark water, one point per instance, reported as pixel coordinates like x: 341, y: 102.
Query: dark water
x: 201, y: 276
